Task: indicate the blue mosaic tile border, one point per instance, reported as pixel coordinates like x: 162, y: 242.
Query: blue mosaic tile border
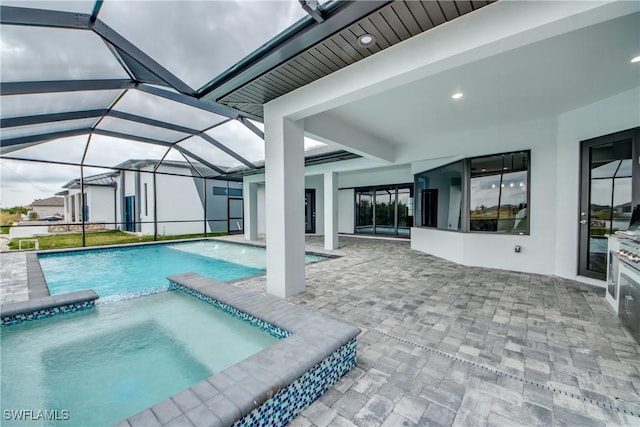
x: 272, y: 330
x: 293, y: 399
x: 47, y: 312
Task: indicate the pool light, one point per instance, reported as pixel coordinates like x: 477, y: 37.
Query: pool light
x: 457, y: 95
x: 635, y: 59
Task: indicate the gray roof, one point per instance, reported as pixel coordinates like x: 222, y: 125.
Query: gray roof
x: 204, y: 170
x: 49, y: 201
x: 104, y: 180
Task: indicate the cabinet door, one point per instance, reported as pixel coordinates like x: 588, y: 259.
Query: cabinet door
x: 630, y: 305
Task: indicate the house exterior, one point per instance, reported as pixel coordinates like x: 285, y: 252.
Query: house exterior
x: 100, y: 193
x: 152, y: 197
x: 51, y: 206
x: 489, y: 137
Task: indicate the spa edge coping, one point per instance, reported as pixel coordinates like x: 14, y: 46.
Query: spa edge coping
x: 234, y: 392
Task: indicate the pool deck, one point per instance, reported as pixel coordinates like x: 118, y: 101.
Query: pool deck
x: 444, y: 344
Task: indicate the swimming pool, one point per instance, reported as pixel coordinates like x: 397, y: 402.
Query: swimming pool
x: 118, y: 271
x: 100, y: 366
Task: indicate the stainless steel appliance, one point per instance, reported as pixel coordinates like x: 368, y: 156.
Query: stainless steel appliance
x: 629, y: 285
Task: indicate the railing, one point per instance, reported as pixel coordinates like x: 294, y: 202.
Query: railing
x: 36, y: 244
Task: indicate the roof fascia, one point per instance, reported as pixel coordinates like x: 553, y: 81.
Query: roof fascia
x: 298, y: 38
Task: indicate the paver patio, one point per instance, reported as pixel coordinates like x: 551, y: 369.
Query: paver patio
x: 445, y: 344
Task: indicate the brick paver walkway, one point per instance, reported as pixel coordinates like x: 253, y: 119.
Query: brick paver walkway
x: 444, y: 344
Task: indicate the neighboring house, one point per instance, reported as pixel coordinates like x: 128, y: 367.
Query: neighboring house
x: 180, y: 197
x: 51, y: 206
x: 169, y: 202
x: 101, y: 193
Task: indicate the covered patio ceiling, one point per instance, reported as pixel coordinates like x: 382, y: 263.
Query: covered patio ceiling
x: 511, y: 62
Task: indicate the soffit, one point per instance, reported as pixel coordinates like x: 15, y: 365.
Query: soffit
x: 392, y: 23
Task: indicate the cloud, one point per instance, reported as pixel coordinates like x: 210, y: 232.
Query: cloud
x: 197, y: 40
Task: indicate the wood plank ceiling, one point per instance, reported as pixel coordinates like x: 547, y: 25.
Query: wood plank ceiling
x: 391, y: 24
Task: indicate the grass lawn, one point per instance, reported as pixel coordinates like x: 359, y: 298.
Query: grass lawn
x: 101, y: 238
x: 6, y: 219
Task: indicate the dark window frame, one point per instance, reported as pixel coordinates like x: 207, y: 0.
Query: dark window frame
x: 466, y: 190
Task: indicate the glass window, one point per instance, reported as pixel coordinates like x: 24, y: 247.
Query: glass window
x: 235, y: 192
x: 439, y: 197
x: 219, y: 191
x: 498, y: 193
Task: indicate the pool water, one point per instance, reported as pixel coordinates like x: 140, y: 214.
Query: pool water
x: 124, y: 270
x: 106, y: 364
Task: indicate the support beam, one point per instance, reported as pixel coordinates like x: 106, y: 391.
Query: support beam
x: 250, y: 191
x: 331, y: 210
x: 284, y: 160
x: 10, y: 15
x: 29, y: 139
x: 253, y: 128
x: 336, y: 133
x: 24, y: 88
x: 49, y: 118
x: 190, y: 101
x: 143, y: 67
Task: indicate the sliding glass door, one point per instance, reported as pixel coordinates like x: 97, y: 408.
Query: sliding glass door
x: 364, y: 211
x: 384, y: 210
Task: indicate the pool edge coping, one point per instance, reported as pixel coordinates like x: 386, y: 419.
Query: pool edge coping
x: 241, y: 389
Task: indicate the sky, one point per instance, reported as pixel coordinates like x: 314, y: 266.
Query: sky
x: 195, y: 40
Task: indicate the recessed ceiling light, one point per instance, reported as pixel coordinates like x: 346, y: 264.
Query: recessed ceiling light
x: 457, y: 95
x: 366, y: 40
x: 635, y: 59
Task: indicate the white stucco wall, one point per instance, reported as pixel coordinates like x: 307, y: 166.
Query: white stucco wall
x: 100, y: 201
x: 45, y: 211
x: 346, y: 210
x: 378, y: 176
x: 178, y: 199
x: 497, y: 250
x: 552, y: 246
x: 146, y: 204
x: 607, y: 116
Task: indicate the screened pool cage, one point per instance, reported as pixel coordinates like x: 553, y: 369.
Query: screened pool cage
x: 131, y: 145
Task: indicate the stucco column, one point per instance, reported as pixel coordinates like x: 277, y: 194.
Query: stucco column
x: 250, y: 191
x: 331, y: 210
x: 284, y: 191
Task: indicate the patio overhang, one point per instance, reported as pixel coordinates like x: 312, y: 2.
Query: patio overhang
x: 517, y: 62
